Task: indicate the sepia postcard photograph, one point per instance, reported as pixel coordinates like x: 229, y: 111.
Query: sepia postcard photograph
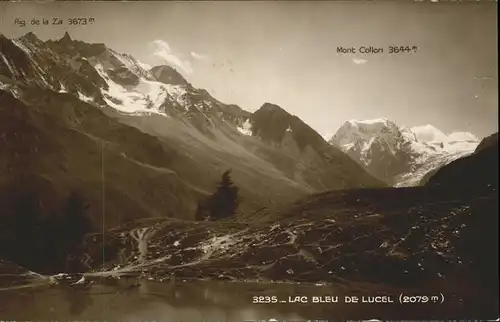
x: 253, y: 161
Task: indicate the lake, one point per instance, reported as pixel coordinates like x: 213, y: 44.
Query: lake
x: 134, y: 299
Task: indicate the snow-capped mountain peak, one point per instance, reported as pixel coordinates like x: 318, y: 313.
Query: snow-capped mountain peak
x: 397, y: 154
x: 102, y: 76
x: 428, y: 133
x: 377, y: 121
x: 363, y: 134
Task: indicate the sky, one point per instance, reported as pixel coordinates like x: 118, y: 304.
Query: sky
x: 286, y: 53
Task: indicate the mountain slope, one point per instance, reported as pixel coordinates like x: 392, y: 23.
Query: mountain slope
x: 477, y: 175
x: 438, y: 238
x: 398, y: 155
x: 488, y: 142
x: 166, y: 143
x: 477, y: 171
x: 318, y: 163
x: 52, y: 143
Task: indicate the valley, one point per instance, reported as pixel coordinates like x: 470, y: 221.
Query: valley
x: 107, y: 165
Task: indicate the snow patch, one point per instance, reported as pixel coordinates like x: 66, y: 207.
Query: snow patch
x: 83, y: 97
x: 144, y: 65
x: 177, y: 92
x: 80, y: 281
x: 368, y: 145
x: 12, y: 89
x: 147, y: 96
x: 460, y: 146
x: 63, y: 90
x: 381, y: 120
x: 347, y: 146
x: 407, y: 134
x: 246, y: 128
x: 9, y: 66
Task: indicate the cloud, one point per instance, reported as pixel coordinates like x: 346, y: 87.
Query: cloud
x: 198, y: 56
x: 428, y: 133
x: 359, y: 61
x: 462, y: 136
x: 162, y: 49
x: 485, y: 78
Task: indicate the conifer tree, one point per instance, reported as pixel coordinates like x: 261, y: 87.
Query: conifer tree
x: 224, y: 202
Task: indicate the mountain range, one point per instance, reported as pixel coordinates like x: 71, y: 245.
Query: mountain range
x: 142, y: 144
x: 398, y: 155
x: 79, y: 115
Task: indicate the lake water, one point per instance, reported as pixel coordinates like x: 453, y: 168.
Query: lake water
x: 133, y: 299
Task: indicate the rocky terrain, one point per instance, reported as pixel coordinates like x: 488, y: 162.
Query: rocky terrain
x: 431, y: 241
x: 439, y: 236
x: 398, y: 155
